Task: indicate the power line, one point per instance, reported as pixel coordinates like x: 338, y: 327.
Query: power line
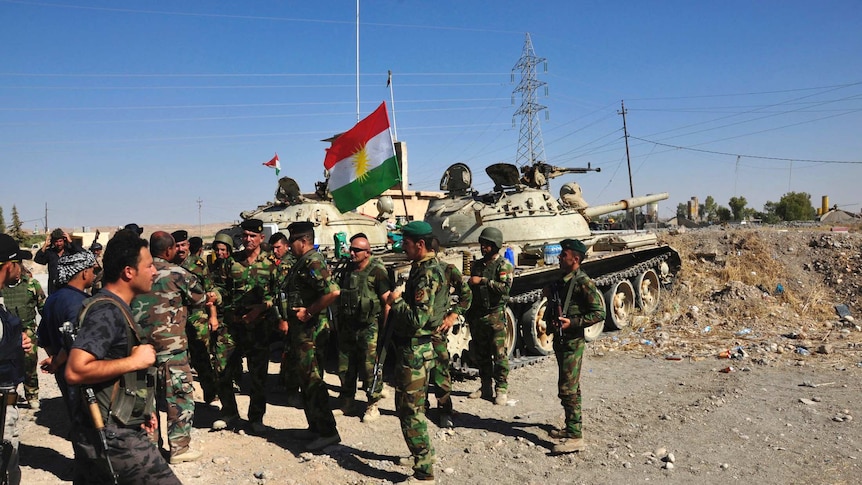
x: 760, y: 157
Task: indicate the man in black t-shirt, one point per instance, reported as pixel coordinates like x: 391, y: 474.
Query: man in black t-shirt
x: 109, y: 358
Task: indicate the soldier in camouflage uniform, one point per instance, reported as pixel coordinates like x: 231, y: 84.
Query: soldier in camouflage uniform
x: 582, y: 306
x: 221, y: 340
x: 362, y: 309
x: 288, y: 374
x: 24, y: 297
x: 251, y: 298
x: 490, y: 279
x: 417, y: 317
x: 162, y: 315
x: 201, y: 322
x: 109, y: 343
x: 460, y: 297
x: 309, y: 291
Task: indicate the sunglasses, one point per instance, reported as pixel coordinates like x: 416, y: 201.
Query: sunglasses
x: 356, y: 250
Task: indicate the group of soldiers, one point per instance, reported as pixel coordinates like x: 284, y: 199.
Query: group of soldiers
x: 170, y: 311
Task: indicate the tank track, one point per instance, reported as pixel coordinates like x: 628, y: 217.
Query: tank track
x: 601, y: 281
x: 465, y: 371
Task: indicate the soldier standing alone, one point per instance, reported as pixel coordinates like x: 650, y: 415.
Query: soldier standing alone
x: 417, y: 316
x: 582, y: 306
x: 490, y: 280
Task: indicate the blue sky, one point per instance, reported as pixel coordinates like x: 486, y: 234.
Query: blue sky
x: 132, y: 112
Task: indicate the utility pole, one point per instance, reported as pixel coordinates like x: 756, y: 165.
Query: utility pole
x: 200, y: 227
x: 46, y: 218
x: 628, y: 162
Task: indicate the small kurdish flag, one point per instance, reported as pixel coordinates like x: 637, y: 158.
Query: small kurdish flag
x: 274, y: 163
x: 361, y: 162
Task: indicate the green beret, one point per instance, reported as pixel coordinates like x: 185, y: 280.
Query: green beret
x: 252, y: 225
x: 573, y: 244
x: 417, y: 229
x: 301, y: 228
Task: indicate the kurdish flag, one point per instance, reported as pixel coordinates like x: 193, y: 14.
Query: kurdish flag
x: 274, y: 163
x: 361, y: 162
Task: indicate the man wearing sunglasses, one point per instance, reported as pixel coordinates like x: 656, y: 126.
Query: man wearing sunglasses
x: 362, y: 308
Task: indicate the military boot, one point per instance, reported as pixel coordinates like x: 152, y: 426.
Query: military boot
x: 485, y: 392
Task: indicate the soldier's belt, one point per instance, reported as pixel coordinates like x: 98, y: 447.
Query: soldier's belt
x: 411, y: 341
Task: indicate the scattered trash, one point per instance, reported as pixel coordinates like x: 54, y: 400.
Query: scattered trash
x: 842, y: 310
x: 724, y: 354
x: 673, y: 357
x: 727, y: 370
x: 779, y: 289
x: 802, y: 351
x: 744, y: 331
x: 707, y: 328
x: 646, y: 342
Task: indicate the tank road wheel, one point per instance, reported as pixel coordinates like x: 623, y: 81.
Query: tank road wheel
x: 594, y: 331
x: 648, y: 291
x: 540, y: 339
x: 459, y: 343
x: 511, y: 331
x: 620, y: 304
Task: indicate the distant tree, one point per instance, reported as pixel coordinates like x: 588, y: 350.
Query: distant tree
x: 795, y: 206
x: 769, y: 215
x: 722, y: 213
x: 16, y: 231
x: 2, y: 222
x: 681, y: 211
x: 737, y: 206
x: 708, y: 208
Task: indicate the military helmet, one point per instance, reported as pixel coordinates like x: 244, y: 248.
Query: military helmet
x: 493, y: 236
x: 224, y: 238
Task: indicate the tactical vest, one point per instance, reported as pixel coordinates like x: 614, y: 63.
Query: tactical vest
x: 20, y: 301
x: 483, y: 299
x: 299, y: 292
x: 358, y: 303
x: 129, y: 399
x: 11, y: 352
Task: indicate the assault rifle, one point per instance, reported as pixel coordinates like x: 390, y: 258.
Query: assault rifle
x: 382, y: 345
x: 554, y: 309
x: 8, y: 393
x: 96, y: 415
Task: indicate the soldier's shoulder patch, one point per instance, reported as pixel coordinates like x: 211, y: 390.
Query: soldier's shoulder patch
x: 420, y: 295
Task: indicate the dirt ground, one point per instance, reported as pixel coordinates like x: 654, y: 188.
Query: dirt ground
x: 662, y: 403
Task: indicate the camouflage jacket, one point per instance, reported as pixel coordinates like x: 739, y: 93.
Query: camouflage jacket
x: 162, y: 313
x: 24, y: 298
x: 219, y: 275
x: 307, y: 281
x: 493, y: 292
x: 251, y: 284
x: 282, y: 269
x: 460, y: 295
x: 585, y: 307
x: 422, y: 306
x: 197, y: 266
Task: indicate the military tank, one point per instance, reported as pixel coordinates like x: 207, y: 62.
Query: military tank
x: 630, y: 267
x: 290, y: 205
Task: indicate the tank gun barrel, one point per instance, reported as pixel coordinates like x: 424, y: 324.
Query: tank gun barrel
x: 624, y: 204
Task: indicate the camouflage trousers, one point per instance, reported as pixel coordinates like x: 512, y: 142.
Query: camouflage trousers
x: 310, y: 339
x: 135, y: 459
x: 288, y: 372
x: 31, y: 364
x: 570, y: 353
x: 415, y: 363
x: 175, y: 396
x: 232, y: 343
x: 440, y: 375
x: 198, y: 334
x: 489, y: 341
x: 357, y: 353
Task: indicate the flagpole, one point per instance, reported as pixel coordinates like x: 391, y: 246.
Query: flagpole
x: 392, y: 98
x: 357, y: 61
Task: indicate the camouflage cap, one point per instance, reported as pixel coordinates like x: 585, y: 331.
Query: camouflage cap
x: 574, y: 245
x: 417, y: 229
x: 180, y: 236
x: 10, y: 251
x: 252, y: 225
x: 301, y: 228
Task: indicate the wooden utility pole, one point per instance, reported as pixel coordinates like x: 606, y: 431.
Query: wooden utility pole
x: 628, y: 162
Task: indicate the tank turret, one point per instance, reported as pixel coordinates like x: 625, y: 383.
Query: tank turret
x: 291, y: 205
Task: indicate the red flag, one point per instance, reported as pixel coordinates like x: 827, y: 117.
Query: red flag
x: 274, y: 163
